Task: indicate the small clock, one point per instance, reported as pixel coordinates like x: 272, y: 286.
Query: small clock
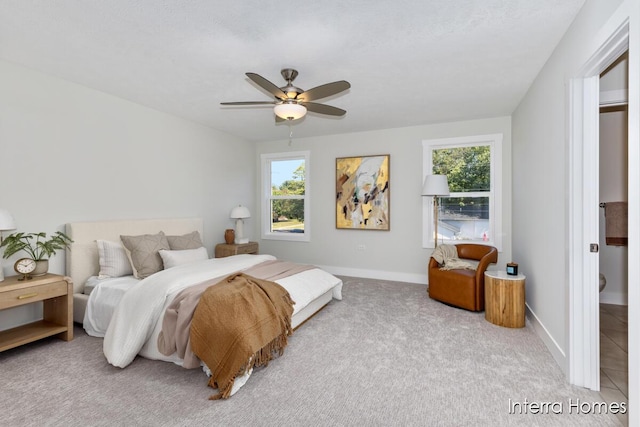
x: 24, y: 266
x: 512, y: 269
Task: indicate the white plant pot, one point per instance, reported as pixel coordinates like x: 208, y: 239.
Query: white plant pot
x: 42, y: 267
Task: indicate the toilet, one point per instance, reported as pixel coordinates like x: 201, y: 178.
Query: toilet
x: 603, y: 282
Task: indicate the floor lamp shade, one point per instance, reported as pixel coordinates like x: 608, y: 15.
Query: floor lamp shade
x: 436, y: 186
x: 239, y: 213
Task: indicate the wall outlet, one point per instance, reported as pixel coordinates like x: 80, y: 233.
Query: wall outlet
x: 361, y: 247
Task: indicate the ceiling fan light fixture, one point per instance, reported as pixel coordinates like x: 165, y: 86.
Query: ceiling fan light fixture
x: 290, y: 111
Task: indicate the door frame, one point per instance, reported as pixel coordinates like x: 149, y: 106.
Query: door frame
x: 583, y: 210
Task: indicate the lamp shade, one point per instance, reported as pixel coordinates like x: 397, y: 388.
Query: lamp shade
x: 290, y: 111
x: 435, y: 185
x: 240, y: 212
x: 6, y: 220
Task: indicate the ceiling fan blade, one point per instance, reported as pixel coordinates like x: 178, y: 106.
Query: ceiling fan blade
x: 323, y: 91
x: 249, y: 103
x: 324, y: 109
x: 267, y: 85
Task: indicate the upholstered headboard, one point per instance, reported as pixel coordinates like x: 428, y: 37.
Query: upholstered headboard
x: 82, y: 256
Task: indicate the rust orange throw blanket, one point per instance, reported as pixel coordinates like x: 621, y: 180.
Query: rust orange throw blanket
x: 240, y: 323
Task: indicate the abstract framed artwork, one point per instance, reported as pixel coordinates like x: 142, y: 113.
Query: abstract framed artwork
x: 362, y: 193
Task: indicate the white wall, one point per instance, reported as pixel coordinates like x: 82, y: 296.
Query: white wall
x: 613, y: 187
x: 540, y: 177
x: 69, y: 153
x: 396, y: 254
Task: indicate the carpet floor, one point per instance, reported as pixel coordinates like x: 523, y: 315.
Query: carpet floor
x: 386, y: 355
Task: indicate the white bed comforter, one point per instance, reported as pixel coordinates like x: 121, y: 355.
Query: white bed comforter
x: 104, y: 297
x: 137, y: 319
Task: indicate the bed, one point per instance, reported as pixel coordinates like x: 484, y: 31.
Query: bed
x: 131, y: 321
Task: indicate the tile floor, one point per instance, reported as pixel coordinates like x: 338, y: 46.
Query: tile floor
x: 613, y: 355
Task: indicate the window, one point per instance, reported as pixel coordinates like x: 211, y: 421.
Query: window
x: 472, y: 213
x: 285, y: 200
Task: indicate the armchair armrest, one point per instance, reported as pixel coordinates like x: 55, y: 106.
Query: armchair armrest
x: 490, y: 257
x: 433, y: 263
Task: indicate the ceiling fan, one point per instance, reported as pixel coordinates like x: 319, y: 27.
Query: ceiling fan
x: 292, y: 103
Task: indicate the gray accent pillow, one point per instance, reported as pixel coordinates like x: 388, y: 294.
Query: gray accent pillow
x: 187, y: 241
x: 143, y: 252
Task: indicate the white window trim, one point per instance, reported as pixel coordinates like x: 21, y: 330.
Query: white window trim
x: 265, y: 197
x: 495, y: 206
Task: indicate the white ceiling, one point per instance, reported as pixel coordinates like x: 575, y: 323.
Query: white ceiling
x: 409, y: 62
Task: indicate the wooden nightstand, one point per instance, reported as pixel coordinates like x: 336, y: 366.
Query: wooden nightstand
x: 504, y: 299
x: 223, y: 250
x: 56, y: 294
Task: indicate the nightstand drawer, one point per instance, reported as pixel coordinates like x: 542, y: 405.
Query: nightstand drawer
x: 32, y: 294
x: 249, y: 248
x: 223, y: 249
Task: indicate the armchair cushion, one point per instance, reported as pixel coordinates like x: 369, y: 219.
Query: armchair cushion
x: 462, y: 288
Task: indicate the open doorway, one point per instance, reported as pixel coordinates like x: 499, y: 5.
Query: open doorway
x: 613, y: 253
x: 584, y: 210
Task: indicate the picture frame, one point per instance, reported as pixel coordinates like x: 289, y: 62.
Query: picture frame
x: 363, y: 192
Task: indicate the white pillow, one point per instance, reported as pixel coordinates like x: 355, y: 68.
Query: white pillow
x: 113, y: 260
x: 186, y: 256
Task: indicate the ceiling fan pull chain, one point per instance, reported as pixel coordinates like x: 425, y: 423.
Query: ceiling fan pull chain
x: 290, y: 134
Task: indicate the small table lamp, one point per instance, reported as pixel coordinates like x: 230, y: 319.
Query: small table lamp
x: 436, y: 186
x: 239, y: 213
x: 6, y: 223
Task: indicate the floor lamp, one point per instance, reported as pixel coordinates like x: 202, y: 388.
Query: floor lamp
x: 436, y: 186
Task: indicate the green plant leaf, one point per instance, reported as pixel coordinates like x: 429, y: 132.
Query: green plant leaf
x: 42, y: 248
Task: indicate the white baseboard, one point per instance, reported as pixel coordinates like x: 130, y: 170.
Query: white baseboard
x: 376, y: 274
x: 551, y: 344
x: 617, y: 298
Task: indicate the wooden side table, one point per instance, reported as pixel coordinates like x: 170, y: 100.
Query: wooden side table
x: 504, y: 297
x: 224, y: 250
x: 56, y: 294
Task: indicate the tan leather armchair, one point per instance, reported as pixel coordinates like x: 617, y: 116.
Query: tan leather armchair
x: 459, y: 287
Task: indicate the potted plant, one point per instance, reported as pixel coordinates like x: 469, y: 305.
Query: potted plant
x: 37, y: 246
